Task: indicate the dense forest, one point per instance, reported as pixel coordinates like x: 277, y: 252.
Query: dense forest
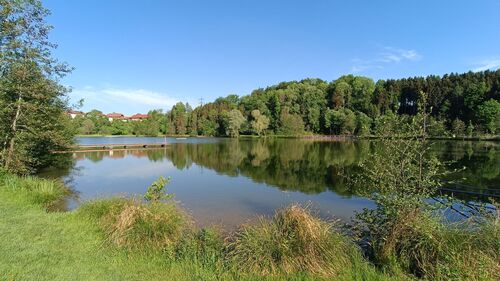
x: 459, y: 104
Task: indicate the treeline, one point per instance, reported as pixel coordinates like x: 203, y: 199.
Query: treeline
x: 96, y: 123
x: 459, y: 104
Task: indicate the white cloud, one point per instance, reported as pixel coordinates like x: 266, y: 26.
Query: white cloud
x: 397, y: 55
x: 386, y: 56
x: 487, y: 64
x: 141, y: 96
x: 127, y: 101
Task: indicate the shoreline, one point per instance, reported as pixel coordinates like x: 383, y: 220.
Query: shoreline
x: 319, y: 137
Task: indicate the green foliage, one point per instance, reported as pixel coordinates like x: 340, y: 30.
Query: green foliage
x: 291, y: 124
x: 419, y: 243
x: 204, y: 246
x: 233, y: 123
x: 72, y: 245
x: 342, y: 121
x: 403, y: 231
x: 458, y: 127
x: 363, y: 124
x: 32, y: 102
x: 489, y: 114
x: 292, y: 241
x: 45, y: 193
x: 156, y: 191
x: 260, y: 122
x: 436, y: 128
x: 343, y: 106
x: 470, y: 129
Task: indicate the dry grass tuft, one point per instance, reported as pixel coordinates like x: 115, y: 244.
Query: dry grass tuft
x: 292, y: 241
x: 137, y: 225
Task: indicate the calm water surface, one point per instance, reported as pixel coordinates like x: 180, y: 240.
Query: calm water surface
x: 225, y: 181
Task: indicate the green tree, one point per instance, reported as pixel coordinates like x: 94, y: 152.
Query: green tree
x: 179, y: 118
x: 87, y: 127
x: 362, y: 92
x: 32, y: 102
x: 291, y: 124
x: 458, y: 127
x: 363, y: 124
x: 470, y: 129
x: 193, y: 124
x: 234, y: 121
x: 489, y: 114
x: 260, y: 122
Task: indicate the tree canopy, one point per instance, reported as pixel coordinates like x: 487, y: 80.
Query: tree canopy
x: 32, y: 101
x: 458, y: 104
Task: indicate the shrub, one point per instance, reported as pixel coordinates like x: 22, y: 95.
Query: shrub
x: 139, y: 225
x: 417, y: 243
x: 292, y: 241
x: 156, y: 191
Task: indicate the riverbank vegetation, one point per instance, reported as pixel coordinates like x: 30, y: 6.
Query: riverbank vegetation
x: 459, y: 105
x: 406, y: 236
x: 124, y: 238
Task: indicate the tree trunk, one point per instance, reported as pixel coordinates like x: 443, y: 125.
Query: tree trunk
x: 12, y: 141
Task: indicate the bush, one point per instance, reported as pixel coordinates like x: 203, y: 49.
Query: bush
x: 292, y: 241
x: 417, y: 243
x: 133, y: 224
x: 138, y: 225
x: 458, y: 127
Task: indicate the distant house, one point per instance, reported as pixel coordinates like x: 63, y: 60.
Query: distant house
x: 138, y: 117
x: 73, y: 113
x: 115, y: 116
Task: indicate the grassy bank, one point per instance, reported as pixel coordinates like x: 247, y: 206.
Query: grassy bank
x: 128, y: 239
x: 122, y: 239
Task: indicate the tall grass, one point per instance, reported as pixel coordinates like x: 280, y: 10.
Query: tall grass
x: 133, y: 224
x: 421, y: 244
x: 292, y: 241
x: 291, y: 244
x: 43, y: 192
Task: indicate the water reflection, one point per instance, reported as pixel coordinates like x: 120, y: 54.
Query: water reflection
x: 229, y: 181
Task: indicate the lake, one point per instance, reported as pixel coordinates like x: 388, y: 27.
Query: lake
x: 227, y: 181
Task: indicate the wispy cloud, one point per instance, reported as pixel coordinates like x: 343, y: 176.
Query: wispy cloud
x: 127, y: 101
x: 384, y: 57
x: 487, y: 64
x: 141, y: 96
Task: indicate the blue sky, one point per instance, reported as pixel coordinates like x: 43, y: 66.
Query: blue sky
x: 132, y: 56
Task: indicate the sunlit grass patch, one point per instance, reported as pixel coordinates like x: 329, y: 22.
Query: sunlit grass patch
x: 37, y: 191
x: 422, y: 245
x: 133, y: 224
x: 292, y: 241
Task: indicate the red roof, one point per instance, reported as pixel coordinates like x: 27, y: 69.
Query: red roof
x: 139, y: 116
x: 115, y: 115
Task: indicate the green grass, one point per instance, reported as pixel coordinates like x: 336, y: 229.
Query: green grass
x: 127, y: 239
x: 40, y: 245
x: 420, y: 244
